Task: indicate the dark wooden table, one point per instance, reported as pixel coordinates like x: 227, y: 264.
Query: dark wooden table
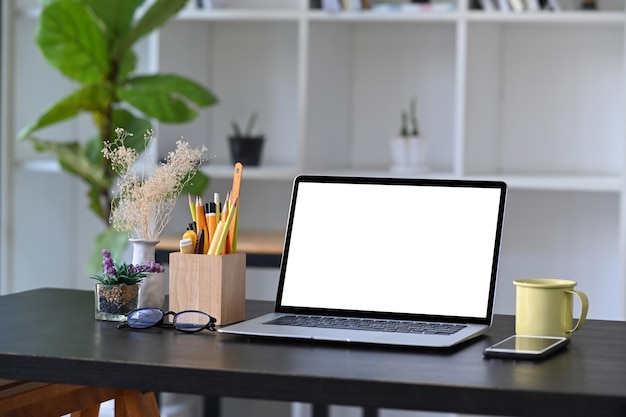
x: 50, y: 335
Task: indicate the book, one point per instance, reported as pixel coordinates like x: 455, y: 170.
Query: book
x: 486, y: 5
x: 504, y: 5
x: 554, y: 5
x: 331, y: 5
x: 532, y: 5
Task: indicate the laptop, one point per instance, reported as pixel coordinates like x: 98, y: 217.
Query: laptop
x: 392, y: 261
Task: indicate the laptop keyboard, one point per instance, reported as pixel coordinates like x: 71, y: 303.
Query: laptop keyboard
x: 395, y: 326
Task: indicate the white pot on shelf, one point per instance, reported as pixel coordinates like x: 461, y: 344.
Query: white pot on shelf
x: 408, y: 154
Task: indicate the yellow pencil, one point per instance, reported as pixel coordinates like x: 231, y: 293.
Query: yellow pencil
x: 192, y: 208
x: 215, y: 240
x: 222, y: 235
x: 201, y: 224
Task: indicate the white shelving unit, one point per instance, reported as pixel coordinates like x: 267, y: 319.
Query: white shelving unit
x: 535, y: 99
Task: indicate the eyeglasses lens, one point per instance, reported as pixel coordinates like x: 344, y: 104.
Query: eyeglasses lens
x: 144, y: 318
x: 191, y: 321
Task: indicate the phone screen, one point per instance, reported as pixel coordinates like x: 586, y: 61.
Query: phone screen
x: 526, y: 343
x: 526, y: 346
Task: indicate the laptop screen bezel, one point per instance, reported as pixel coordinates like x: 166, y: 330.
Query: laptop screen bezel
x: 282, y: 308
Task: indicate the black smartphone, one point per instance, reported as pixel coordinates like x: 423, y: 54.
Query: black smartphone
x: 526, y: 347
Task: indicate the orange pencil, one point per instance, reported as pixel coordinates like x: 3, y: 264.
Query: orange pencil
x: 212, y: 224
x: 201, y: 223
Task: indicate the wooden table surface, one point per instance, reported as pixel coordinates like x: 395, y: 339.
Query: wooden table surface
x: 50, y: 335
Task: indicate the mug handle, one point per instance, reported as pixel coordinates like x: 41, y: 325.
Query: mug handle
x: 584, y: 300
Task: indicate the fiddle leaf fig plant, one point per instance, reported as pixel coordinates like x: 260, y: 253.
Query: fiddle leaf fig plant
x: 91, y: 42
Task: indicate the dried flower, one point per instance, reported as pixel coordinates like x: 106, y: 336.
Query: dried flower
x: 145, y: 196
x: 122, y: 273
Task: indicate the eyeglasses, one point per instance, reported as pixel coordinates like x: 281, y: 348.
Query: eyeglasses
x: 188, y: 321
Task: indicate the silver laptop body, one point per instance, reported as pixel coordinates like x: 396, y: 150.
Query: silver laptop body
x: 382, y: 250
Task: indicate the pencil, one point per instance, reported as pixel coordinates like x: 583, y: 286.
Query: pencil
x: 224, y: 232
x: 215, y: 240
x: 216, y: 200
x: 211, y: 221
x: 201, y: 224
x: 192, y: 208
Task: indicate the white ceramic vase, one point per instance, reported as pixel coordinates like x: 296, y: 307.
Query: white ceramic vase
x: 152, y: 288
x: 408, y: 154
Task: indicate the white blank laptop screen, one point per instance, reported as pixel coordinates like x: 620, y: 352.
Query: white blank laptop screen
x: 392, y: 248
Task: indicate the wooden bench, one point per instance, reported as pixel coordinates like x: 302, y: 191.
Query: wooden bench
x: 38, y: 399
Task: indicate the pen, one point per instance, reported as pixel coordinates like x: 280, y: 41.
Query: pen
x: 216, y: 200
x: 200, y: 243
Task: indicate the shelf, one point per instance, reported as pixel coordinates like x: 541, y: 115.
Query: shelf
x: 610, y: 184
x: 540, y: 17
x: 367, y: 16
x: 574, y: 183
x: 452, y: 15
x: 582, y: 183
x: 239, y: 15
x: 265, y: 172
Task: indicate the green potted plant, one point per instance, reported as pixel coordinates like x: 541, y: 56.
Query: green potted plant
x: 117, y: 290
x: 408, y: 150
x: 91, y: 42
x: 246, y: 146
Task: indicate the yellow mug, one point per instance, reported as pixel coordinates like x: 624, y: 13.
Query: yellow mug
x: 544, y: 307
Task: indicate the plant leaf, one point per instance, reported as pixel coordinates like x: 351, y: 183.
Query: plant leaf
x: 72, y: 42
x: 93, y: 150
x: 94, y: 197
x: 73, y: 159
x: 91, y: 98
x: 167, y: 98
x: 117, y: 18
x: 111, y: 240
x: 132, y: 124
x: 197, y: 185
x: 156, y: 16
x: 116, y: 15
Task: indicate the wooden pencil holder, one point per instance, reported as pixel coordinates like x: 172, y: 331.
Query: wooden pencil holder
x: 213, y: 284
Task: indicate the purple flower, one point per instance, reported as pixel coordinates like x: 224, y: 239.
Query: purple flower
x: 118, y: 273
x: 107, y: 262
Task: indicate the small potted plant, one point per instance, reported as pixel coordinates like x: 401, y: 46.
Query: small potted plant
x: 246, y: 146
x: 117, y: 290
x: 408, y: 150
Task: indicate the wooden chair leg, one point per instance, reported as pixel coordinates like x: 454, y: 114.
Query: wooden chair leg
x: 19, y: 398
x: 22, y: 398
x: 140, y: 405
x: 120, y: 407
x: 87, y: 412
